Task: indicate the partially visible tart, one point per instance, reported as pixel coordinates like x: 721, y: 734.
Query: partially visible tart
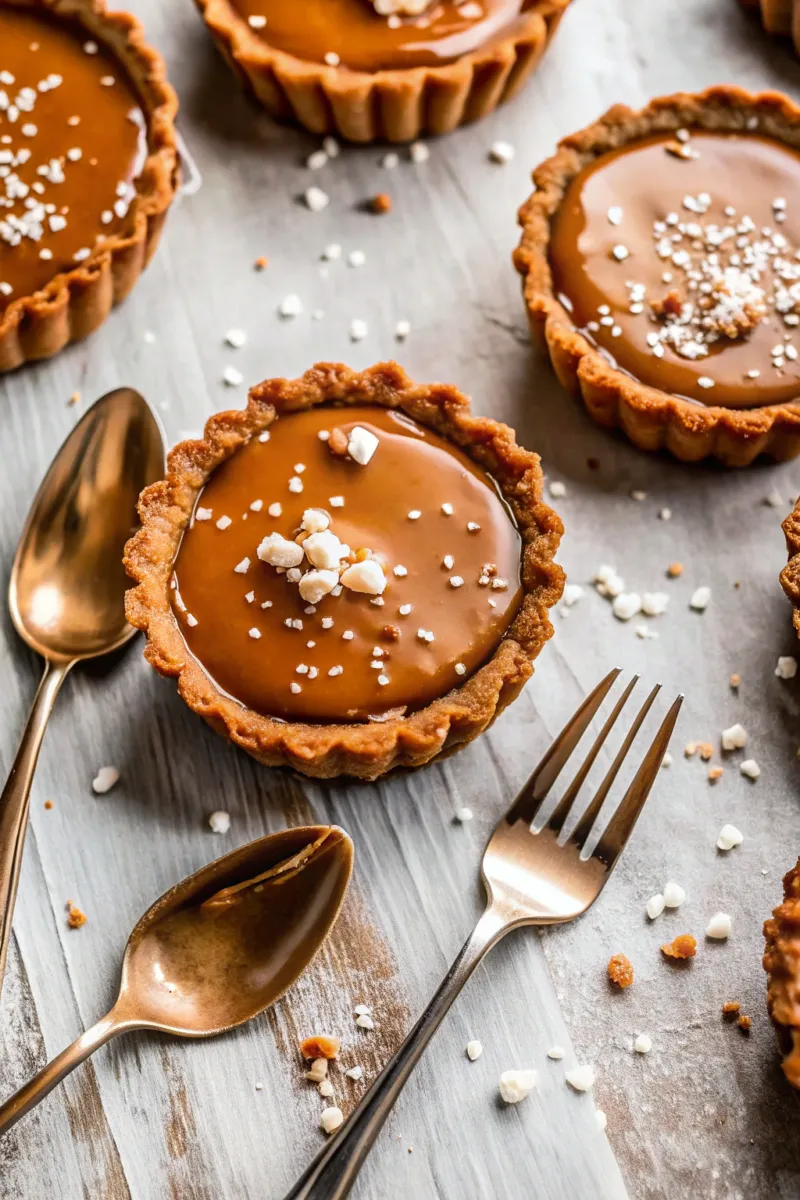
x: 790, y: 576
x: 661, y: 262
x: 88, y: 168
x: 782, y: 964
x: 778, y: 16
x: 392, y: 69
x: 353, y: 574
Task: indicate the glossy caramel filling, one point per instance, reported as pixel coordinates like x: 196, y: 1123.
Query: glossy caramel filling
x: 419, y: 516
x: 680, y: 258
x: 72, y: 140
x: 352, y: 34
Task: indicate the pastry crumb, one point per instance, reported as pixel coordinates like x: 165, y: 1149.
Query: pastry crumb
x: 683, y: 946
x: 381, y: 203
x: 320, y: 1045
x: 731, y: 1008
x: 744, y: 1023
x: 620, y: 971
x: 75, y: 918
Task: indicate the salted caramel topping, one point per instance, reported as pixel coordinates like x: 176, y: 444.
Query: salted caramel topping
x: 679, y: 256
x: 373, y: 35
x: 72, y: 140
x: 305, y: 609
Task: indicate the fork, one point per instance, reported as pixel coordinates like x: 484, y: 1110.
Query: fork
x: 533, y: 876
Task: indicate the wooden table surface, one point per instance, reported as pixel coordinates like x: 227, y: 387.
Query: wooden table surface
x: 707, y: 1112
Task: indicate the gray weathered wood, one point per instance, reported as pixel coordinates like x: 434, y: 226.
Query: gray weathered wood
x: 707, y: 1112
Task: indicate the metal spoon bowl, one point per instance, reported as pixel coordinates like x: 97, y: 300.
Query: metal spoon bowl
x: 68, y: 584
x: 219, y: 948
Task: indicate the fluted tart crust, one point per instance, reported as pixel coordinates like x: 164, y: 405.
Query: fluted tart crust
x: 396, y: 103
x: 362, y: 748
x: 77, y: 299
x: 782, y: 964
x: 655, y: 418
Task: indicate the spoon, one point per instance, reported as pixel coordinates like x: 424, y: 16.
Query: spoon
x: 68, y: 584
x: 218, y: 948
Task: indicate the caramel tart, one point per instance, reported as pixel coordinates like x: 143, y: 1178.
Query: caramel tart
x: 383, y: 69
x: 790, y: 576
x: 660, y: 256
x: 782, y: 964
x: 351, y: 575
x: 88, y: 168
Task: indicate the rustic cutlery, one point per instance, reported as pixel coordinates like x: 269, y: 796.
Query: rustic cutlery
x: 68, y: 584
x: 218, y: 948
x: 533, y: 876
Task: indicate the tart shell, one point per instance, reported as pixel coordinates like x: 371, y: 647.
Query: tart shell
x: 652, y: 419
x: 74, y: 303
x: 790, y: 576
x: 392, y: 105
x: 370, y: 749
x: 782, y: 964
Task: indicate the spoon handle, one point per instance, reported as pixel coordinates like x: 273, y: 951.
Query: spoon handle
x: 333, y: 1172
x: 37, y: 1088
x: 15, y: 797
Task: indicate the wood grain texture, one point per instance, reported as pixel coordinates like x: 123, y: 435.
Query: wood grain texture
x: 707, y: 1112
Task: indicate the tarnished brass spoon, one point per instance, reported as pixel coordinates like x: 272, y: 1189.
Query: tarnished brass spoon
x: 67, y: 587
x: 218, y: 948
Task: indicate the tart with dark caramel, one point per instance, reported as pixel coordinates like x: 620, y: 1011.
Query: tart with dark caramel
x: 782, y: 964
x: 660, y: 257
x: 88, y: 168
x: 351, y: 575
x: 382, y: 69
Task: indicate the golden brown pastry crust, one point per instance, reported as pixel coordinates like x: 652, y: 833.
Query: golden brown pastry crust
x: 76, y: 302
x: 370, y: 749
x: 782, y: 964
x: 790, y: 575
x: 389, y: 105
x: 652, y: 419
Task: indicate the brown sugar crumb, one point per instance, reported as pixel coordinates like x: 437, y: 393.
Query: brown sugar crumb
x: 75, y: 918
x: 674, y: 570
x: 48, y: 804
x: 620, y: 970
x: 321, y: 1045
x: 730, y: 1008
x: 382, y: 203
x: 706, y: 750
x: 744, y: 1023
x: 338, y: 442
x: 736, y: 679
x: 715, y: 773
x: 261, y: 263
x: 391, y: 633
x: 684, y: 946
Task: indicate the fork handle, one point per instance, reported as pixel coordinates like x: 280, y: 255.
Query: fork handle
x: 333, y: 1172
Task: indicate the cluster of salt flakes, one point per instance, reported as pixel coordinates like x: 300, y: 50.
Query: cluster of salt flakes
x: 723, y: 279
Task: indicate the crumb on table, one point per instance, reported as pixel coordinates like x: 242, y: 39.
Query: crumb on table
x: 320, y: 1045
x: 620, y: 970
x: 683, y: 946
x: 75, y: 918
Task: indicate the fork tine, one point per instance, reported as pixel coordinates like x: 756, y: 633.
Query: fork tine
x: 561, y: 812
x: 621, y: 825
x: 584, y: 826
x: 544, y: 776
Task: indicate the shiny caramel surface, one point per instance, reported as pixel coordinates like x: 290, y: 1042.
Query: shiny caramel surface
x: 72, y: 140
x: 434, y: 520
x: 351, y: 33
x: 224, y: 946
x: 671, y: 237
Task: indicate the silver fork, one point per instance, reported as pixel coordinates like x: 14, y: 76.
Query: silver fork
x: 532, y: 877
